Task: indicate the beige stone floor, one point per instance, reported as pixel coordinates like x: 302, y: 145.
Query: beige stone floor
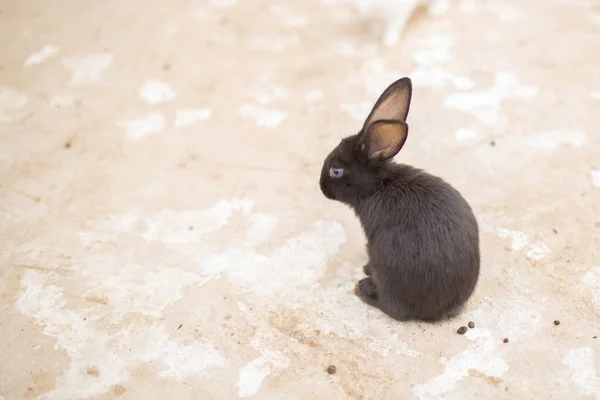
x: 162, y: 234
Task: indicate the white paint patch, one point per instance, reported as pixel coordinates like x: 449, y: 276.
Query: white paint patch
x: 254, y: 373
x: 595, y: 95
x: 464, y: 134
x: 537, y: 251
x: 174, y: 228
x: 251, y: 377
x: 11, y: 104
x: 131, y: 288
x: 486, y: 104
x: 42, y: 55
x: 482, y: 357
x: 518, y: 240
x: 261, y: 227
x: 436, y: 52
x: 555, y: 139
x: 139, y: 128
x: 88, y: 70
x: 301, y: 259
x: 156, y: 92
x: 580, y: 362
x: 392, y: 344
x: 181, y: 361
x: 191, y: 116
x: 269, y: 118
x: 592, y: 279
x: 64, y: 101
x: 595, y: 175
x: 113, y: 356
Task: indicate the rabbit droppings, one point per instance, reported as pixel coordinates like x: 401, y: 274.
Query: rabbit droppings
x: 422, y: 235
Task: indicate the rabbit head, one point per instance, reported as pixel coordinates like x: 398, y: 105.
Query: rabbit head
x: 356, y: 167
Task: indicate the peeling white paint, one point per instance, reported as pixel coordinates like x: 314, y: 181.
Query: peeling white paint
x: 113, y: 357
x: 518, y: 240
x: 261, y: 227
x: 595, y: 175
x: 592, y: 279
x: 251, y: 377
x: 481, y: 356
x: 580, y: 362
x: 156, y: 92
x: 301, y: 259
x: 88, y: 69
x: 188, y: 117
x: 140, y: 127
x: 486, y: 104
x: 392, y: 344
x: 537, y: 251
x: 464, y: 134
x: 190, y: 226
x: 11, y: 105
x: 436, y: 51
x: 267, y: 117
x: 42, y: 55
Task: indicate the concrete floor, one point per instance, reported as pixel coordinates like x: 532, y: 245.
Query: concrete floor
x: 162, y: 234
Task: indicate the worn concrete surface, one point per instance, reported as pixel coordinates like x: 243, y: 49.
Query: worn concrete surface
x: 162, y: 234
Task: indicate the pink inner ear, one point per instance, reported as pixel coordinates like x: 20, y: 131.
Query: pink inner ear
x: 386, y: 139
x: 393, y: 107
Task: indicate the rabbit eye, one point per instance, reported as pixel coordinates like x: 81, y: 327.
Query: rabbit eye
x: 336, y: 172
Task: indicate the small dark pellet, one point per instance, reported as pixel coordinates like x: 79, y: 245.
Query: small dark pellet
x: 505, y: 340
x: 594, y: 337
x: 556, y: 322
x: 461, y: 330
x: 331, y: 369
x: 471, y: 324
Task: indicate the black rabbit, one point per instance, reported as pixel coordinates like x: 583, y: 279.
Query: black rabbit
x: 422, y: 236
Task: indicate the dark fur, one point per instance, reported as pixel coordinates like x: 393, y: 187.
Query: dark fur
x: 422, y: 236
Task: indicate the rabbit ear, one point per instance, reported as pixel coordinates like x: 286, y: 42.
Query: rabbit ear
x: 393, y: 104
x: 384, y: 140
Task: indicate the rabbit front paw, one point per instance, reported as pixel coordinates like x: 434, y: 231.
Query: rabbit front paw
x: 367, y: 291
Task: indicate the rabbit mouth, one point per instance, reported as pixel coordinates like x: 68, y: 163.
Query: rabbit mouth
x: 326, y: 192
